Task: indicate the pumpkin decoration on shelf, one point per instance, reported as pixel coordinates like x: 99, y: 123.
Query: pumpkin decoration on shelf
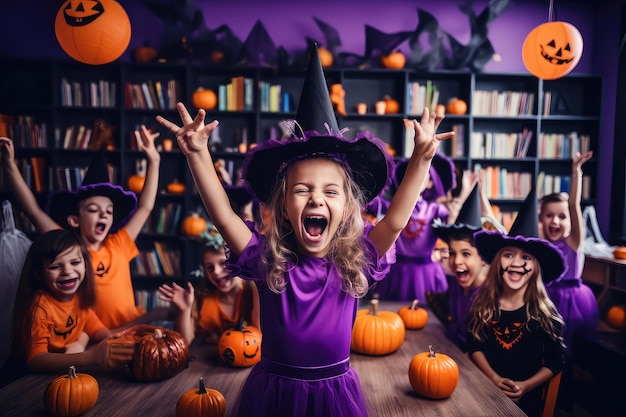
x: 72, y: 394
x: 337, y: 98
x: 552, y: 50
x: 136, y: 181
x: 240, y: 346
x: 393, y: 60
x: 145, y: 53
x: 203, y: 401
x: 616, y: 317
x: 620, y: 252
x: 159, y: 355
x: 414, y: 316
x: 433, y: 375
x: 326, y: 57
x: 377, y: 332
x: 95, y: 32
x: 391, y: 105
x: 456, y: 106
x: 193, y: 225
x: 440, y: 109
x: 204, y: 98
x: 176, y: 187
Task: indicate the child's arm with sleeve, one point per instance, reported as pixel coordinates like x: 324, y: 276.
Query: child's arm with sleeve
x: 23, y: 195
x: 183, y: 299
x: 145, y: 143
x: 575, y: 238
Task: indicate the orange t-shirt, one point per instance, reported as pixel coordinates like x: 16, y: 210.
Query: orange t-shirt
x: 115, y: 298
x: 56, y: 323
x: 212, y: 319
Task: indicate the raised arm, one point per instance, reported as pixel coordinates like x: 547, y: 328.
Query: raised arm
x: 193, y: 139
x: 401, y: 206
x: 23, y: 195
x: 575, y: 238
x: 145, y: 143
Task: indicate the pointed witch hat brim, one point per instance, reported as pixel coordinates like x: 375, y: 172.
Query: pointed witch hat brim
x: 524, y: 235
x: 64, y: 203
x: 365, y: 156
x: 468, y: 221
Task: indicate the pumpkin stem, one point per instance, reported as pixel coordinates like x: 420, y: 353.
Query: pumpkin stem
x: 202, y: 389
x: 414, y: 304
x: 431, y: 351
x: 241, y: 324
x: 374, y: 307
x: 72, y: 372
x: 158, y: 334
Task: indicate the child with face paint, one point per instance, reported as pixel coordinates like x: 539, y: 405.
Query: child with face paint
x: 514, y: 331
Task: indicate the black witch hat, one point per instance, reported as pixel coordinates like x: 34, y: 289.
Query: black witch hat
x: 95, y: 183
x: 524, y: 234
x: 467, y: 222
x: 366, y: 156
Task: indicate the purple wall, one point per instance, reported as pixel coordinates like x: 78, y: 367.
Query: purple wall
x: 28, y: 31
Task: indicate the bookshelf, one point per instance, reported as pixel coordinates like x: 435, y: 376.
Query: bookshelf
x: 59, y: 111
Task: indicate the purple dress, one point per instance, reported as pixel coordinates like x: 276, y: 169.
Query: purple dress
x: 305, y: 353
x: 574, y: 300
x: 414, y: 273
x: 459, y: 305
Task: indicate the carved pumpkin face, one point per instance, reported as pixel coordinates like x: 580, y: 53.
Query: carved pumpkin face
x: 240, y: 346
x: 552, y: 50
x: 94, y: 32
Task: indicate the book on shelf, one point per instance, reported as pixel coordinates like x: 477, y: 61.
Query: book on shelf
x: 39, y: 170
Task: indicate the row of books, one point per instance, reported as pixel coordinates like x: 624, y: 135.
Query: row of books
x: 500, y: 183
x: 99, y: 94
x: 502, y: 103
x: 420, y: 95
x: 273, y: 99
x: 236, y: 95
x: 158, y: 261
x: 165, y: 220
x: 149, y: 299
x: 548, y: 184
x: 152, y: 95
x: 75, y: 137
x: 562, y: 145
x: 24, y: 131
x: 500, y: 144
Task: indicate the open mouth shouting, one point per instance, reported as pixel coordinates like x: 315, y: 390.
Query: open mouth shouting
x: 314, y: 227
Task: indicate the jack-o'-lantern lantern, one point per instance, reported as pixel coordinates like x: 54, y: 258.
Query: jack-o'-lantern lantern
x: 240, y: 346
x: 93, y: 32
x: 552, y: 50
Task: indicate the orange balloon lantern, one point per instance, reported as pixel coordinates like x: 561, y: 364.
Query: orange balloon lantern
x: 93, y: 32
x: 552, y: 50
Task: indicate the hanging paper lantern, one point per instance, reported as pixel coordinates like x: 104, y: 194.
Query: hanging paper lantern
x: 94, y: 32
x: 552, y: 50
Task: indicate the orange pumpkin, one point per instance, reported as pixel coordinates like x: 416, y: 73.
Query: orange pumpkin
x: 145, y: 53
x: 193, y: 225
x: 201, y: 402
x: 377, y: 332
x: 240, y: 346
x: 136, y: 183
x: 433, y: 375
x: 413, y: 316
x: 616, y: 317
x: 72, y: 394
x: 391, y: 105
x: 620, y: 252
x: 393, y: 60
x: 160, y: 355
x: 217, y: 57
x: 326, y: 57
x: 456, y: 106
x: 176, y: 187
x: 552, y: 50
x: 440, y: 109
x: 204, y: 98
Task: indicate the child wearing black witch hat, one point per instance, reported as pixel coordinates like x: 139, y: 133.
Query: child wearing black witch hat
x: 514, y: 332
x: 317, y: 257
x: 108, y: 218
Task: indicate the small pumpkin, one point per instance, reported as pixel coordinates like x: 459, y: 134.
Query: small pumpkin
x: 620, y: 252
x: 440, y: 109
x: 391, y: 105
x: 433, y: 375
x: 240, y: 346
x: 326, y: 57
x: 176, y: 187
x: 145, y: 53
x: 201, y: 402
x: 393, y: 60
x: 456, y: 106
x: 72, y: 394
x: 136, y: 182
x: 160, y: 355
x: 193, y: 225
x: 377, y: 332
x: 414, y: 316
x: 616, y: 317
x: 217, y: 57
x: 204, y: 98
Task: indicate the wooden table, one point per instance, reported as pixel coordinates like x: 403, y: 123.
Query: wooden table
x: 384, y: 380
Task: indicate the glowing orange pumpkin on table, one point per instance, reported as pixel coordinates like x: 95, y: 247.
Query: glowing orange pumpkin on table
x: 552, y: 50
x: 93, y: 32
x: 377, y: 332
x: 414, y: 316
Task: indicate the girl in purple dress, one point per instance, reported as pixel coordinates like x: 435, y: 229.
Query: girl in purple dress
x: 561, y: 221
x: 317, y: 258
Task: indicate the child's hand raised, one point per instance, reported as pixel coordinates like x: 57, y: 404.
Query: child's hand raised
x: 145, y: 142
x: 193, y: 136
x: 426, y: 138
x: 579, y: 159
